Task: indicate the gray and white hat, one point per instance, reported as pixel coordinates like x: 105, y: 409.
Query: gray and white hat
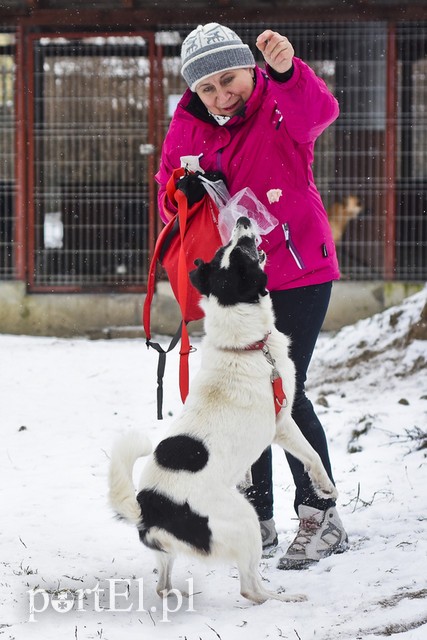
x: 212, y: 48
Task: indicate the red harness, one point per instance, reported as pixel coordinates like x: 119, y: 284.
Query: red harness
x: 279, y: 394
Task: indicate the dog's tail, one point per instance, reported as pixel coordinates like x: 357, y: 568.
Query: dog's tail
x: 125, y: 453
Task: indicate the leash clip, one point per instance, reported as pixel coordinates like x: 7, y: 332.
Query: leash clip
x: 268, y: 356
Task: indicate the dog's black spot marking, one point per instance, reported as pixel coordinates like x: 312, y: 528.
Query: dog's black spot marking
x: 178, y: 519
x: 182, y: 453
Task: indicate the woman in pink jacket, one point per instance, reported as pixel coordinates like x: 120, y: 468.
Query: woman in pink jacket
x: 257, y: 129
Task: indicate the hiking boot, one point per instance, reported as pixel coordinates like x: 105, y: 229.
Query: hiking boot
x: 320, y: 534
x: 268, y: 533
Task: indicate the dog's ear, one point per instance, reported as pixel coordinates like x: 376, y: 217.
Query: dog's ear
x: 200, y: 277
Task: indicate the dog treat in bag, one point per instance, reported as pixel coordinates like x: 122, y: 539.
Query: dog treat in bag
x: 245, y: 203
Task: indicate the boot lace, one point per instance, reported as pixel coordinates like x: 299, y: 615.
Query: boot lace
x: 307, y: 529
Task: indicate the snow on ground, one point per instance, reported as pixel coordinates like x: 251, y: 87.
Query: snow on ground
x: 63, y: 402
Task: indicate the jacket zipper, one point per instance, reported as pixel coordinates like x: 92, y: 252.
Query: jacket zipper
x: 219, y: 160
x: 290, y: 245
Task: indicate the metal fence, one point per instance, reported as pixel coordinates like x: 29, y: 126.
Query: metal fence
x: 92, y: 149
x: 373, y: 180
x: 97, y: 107
x: 411, y: 153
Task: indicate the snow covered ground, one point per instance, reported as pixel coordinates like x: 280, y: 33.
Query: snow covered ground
x: 63, y: 402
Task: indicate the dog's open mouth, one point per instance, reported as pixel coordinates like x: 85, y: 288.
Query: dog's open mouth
x: 236, y: 273
x: 245, y: 234
x: 245, y: 237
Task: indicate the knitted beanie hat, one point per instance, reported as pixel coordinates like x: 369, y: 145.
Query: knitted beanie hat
x: 212, y: 48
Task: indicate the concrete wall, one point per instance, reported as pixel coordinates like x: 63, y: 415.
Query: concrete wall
x: 352, y: 301
x: 119, y: 315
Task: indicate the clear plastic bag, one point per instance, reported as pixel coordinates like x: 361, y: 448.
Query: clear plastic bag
x: 217, y: 191
x: 245, y: 203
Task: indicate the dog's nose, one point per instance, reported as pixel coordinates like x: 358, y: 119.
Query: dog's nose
x: 244, y: 222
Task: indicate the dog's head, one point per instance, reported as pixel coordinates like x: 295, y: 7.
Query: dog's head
x: 236, y: 273
x: 352, y: 206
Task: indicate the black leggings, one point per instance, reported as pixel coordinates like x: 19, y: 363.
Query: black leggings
x: 299, y: 314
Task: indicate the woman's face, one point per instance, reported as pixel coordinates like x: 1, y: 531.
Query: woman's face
x: 226, y: 92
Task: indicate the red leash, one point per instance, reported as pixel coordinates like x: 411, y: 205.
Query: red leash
x: 182, y: 296
x: 279, y: 394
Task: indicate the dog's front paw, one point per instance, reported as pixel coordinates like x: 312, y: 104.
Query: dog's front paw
x: 331, y: 492
x: 323, y: 485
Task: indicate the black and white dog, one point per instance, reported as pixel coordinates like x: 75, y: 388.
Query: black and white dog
x: 187, y: 500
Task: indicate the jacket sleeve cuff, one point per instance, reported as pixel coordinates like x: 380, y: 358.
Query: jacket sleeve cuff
x: 293, y: 76
x: 280, y: 77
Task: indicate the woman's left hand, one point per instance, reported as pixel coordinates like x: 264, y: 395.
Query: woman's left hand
x: 276, y: 49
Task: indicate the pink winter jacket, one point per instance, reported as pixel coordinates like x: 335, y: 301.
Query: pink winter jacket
x: 268, y: 146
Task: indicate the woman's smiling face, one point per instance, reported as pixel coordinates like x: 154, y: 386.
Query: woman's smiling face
x: 226, y: 92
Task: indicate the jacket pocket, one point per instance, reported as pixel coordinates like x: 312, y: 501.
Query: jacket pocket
x: 291, y: 246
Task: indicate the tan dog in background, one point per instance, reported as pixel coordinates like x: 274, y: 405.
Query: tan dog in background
x: 340, y: 214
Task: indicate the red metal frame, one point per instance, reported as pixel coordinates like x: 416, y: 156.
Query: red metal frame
x: 160, y: 112
x: 28, y: 183
x: 126, y: 17
x: 152, y: 231
x: 390, y: 155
